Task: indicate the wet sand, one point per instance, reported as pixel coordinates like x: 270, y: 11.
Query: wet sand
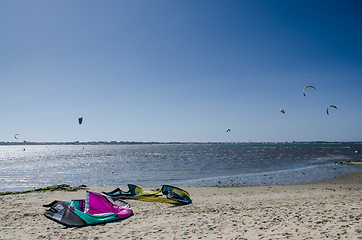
x: 326, y: 210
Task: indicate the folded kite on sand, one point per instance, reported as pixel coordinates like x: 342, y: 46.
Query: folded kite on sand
x: 173, y: 195
x: 95, y: 209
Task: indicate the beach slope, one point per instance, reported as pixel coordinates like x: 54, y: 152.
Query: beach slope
x: 324, y: 210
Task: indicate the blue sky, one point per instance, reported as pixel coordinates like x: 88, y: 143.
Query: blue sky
x: 180, y: 70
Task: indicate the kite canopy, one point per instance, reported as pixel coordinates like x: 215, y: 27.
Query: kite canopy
x: 309, y: 86
x: 95, y: 209
x: 173, y: 194
x: 282, y: 111
x: 80, y: 120
x: 16, y: 136
x: 228, y: 130
x: 331, y: 106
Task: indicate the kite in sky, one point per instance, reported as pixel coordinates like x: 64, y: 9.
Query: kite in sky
x: 309, y: 86
x: 331, y: 106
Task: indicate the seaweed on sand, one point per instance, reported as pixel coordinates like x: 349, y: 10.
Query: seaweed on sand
x: 61, y: 187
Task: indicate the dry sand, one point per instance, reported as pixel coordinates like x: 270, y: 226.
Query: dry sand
x: 327, y: 210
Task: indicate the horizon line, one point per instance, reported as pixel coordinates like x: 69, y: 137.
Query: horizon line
x: 172, y: 142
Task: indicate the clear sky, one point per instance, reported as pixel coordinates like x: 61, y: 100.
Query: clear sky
x: 181, y: 70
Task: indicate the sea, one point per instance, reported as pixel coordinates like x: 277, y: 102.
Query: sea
x: 26, y: 167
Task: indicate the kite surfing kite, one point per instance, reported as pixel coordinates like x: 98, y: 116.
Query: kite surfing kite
x: 16, y: 136
x: 173, y: 195
x: 95, y: 209
x: 331, y: 106
x: 282, y: 111
x: 309, y: 86
x: 228, y: 130
x: 80, y: 120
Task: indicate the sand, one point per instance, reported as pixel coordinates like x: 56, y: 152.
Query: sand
x: 327, y: 210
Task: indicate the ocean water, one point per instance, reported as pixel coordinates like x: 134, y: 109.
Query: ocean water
x: 24, y: 167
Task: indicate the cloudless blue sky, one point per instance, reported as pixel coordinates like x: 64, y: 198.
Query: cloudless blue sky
x: 180, y: 70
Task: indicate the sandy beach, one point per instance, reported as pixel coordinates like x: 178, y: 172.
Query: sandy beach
x: 326, y: 210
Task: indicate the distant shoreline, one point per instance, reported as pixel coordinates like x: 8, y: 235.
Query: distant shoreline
x: 145, y: 143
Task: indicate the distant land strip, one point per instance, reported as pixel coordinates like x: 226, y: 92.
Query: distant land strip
x: 135, y: 142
